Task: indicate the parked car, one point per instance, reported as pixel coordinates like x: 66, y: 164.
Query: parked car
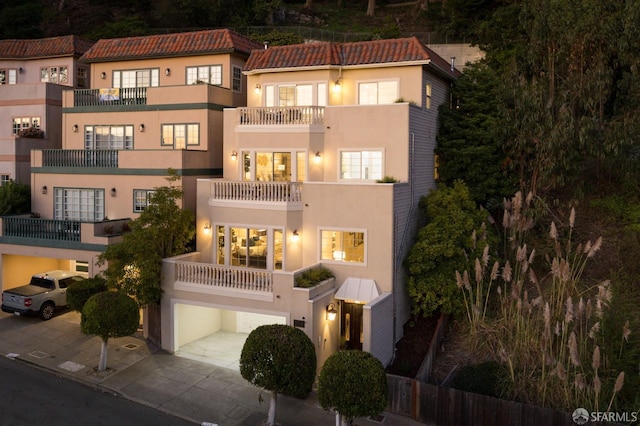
x: 46, y: 292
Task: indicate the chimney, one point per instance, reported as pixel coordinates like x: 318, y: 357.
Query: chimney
x: 453, y: 63
x: 266, y: 45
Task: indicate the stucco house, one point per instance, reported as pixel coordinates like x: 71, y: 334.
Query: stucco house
x: 33, y: 75
x: 324, y: 123
x: 147, y: 104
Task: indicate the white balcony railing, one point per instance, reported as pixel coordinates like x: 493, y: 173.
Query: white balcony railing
x: 223, y: 277
x: 285, y: 192
x: 280, y: 115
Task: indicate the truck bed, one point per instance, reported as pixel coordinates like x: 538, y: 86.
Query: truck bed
x: 26, y: 290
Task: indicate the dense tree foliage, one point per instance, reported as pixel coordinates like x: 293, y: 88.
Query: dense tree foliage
x: 354, y: 384
x: 468, y: 148
x: 447, y: 243
x: 20, y: 19
x: 109, y: 314
x: 15, y: 198
x: 163, y: 229
x: 281, y: 359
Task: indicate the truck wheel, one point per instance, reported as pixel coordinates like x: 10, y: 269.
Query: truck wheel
x: 46, y: 311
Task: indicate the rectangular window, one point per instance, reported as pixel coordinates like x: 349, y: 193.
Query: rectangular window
x: 342, y: 246
x: 427, y: 95
x: 210, y: 74
x: 141, y: 199
x: 59, y: 75
x: 108, y: 137
x: 374, y: 93
x: 361, y: 165
x: 180, y: 135
x: 4, y: 179
x: 137, y: 78
x: 83, y: 77
x: 85, y: 205
x: 236, y: 79
x: 21, y: 123
x: 249, y: 247
x: 8, y: 76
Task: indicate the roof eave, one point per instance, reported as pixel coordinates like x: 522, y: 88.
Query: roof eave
x: 173, y: 55
x: 328, y: 67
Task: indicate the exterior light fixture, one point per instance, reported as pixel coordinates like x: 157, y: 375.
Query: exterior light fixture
x: 113, y: 192
x: 234, y: 155
x: 207, y: 228
x: 257, y: 88
x: 141, y: 128
x: 20, y: 70
x: 44, y: 189
x: 331, y: 312
x: 317, y: 157
x: 103, y: 75
x: 336, y: 85
x: 167, y: 72
x: 74, y: 128
x: 296, y: 235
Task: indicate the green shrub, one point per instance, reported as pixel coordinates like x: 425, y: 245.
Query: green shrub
x: 387, y: 179
x: 312, y: 277
x: 79, y: 292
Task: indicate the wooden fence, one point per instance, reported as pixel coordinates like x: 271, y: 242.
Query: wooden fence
x: 434, y: 405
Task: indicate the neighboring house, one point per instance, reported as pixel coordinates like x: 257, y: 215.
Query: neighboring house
x: 324, y: 122
x: 151, y: 103
x: 33, y: 75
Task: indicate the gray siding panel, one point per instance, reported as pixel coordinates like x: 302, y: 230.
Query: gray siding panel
x: 378, y: 321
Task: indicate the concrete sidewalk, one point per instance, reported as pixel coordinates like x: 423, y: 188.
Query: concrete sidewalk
x: 199, y: 392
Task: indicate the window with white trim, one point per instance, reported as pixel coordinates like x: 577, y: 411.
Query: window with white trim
x: 253, y: 247
x: 211, y: 74
x: 361, y: 165
x: 236, y: 79
x: 180, y: 135
x: 4, y: 179
x: 427, y: 95
x: 294, y: 95
x: 59, y: 75
x: 343, y: 245
x: 377, y: 92
x: 22, y: 123
x: 8, y: 76
x: 108, y: 137
x: 274, y: 166
x: 141, y: 199
x: 85, y: 205
x: 137, y: 78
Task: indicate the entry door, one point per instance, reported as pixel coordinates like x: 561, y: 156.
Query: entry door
x: 351, y: 325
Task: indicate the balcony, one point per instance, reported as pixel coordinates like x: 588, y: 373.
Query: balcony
x: 287, y: 193
x: 279, y: 116
x: 79, y: 158
x: 37, y: 231
x: 107, y: 97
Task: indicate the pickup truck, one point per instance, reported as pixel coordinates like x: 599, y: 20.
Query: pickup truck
x: 42, y: 295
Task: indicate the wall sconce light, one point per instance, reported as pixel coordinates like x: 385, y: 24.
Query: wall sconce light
x: 75, y: 128
x: 336, y: 85
x: 20, y: 70
x: 167, y: 72
x: 257, y: 88
x: 207, y: 228
x: 44, y: 189
x: 234, y: 155
x: 296, y: 235
x: 141, y: 128
x: 113, y: 192
x: 331, y: 312
x: 103, y: 75
x: 317, y: 157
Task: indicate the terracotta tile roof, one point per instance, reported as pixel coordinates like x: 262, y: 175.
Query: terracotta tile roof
x: 163, y: 45
x: 346, y: 54
x: 70, y: 45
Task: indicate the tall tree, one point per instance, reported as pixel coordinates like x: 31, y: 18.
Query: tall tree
x: 164, y: 229
x: 281, y: 359
x: 468, y: 146
x: 15, y: 198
